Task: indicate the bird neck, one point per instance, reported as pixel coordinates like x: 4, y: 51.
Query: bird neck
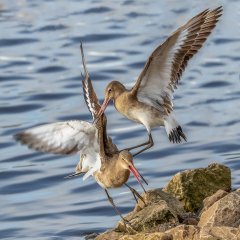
x: 119, y: 90
x: 120, y: 170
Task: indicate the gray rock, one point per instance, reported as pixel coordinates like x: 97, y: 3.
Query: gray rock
x: 160, y: 208
x: 209, y: 201
x: 184, y: 232
x: 113, y: 235
x: 219, y: 233
x: 191, y: 187
x: 181, y: 232
x: 224, y: 212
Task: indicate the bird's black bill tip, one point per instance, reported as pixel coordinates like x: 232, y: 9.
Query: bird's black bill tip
x: 143, y: 178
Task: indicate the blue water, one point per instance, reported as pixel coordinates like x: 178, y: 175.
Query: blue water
x: 40, y: 82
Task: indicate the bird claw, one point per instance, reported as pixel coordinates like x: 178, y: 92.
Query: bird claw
x: 129, y: 228
x: 141, y: 198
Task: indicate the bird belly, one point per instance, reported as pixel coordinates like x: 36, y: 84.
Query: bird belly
x: 138, y: 111
x: 93, y: 163
x: 99, y: 181
x: 147, y: 116
x: 111, y: 180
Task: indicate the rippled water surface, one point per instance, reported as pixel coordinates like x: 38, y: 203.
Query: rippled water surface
x: 40, y: 82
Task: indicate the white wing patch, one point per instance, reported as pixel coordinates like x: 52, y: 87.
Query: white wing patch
x: 95, y: 166
x: 168, y: 61
x: 61, y: 137
x: 90, y: 104
x: 156, y: 84
x: 65, y: 138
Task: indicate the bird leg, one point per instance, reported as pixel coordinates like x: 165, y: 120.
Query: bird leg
x: 135, y: 194
x: 115, y: 208
x: 137, y: 146
x: 126, y: 223
x: 73, y: 175
x: 149, y: 144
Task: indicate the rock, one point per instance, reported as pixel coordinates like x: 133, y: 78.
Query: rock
x: 192, y: 186
x: 238, y: 190
x: 219, y: 233
x: 189, y: 218
x: 157, y: 195
x: 165, y: 226
x: 113, y: 235
x: 147, y: 236
x: 160, y: 208
x: 184, y: 232
x: 181, y: 232
x: 225, y: 233
x: 91, y: 236
x: 190, y: 221
x: 162, y: 216
x: 161, y: 212
x: 209, y: 201
x: 224, y: 212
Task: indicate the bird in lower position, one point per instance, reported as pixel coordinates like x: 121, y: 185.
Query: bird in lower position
x: 149, y: 102
x: 99, y: 157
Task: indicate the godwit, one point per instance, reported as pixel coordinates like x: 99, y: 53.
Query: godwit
x: 149, y: 102
x: 98, y: 155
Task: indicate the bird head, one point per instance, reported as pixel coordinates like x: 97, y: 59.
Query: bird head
x: 112, y: 91
x: 126, y: 162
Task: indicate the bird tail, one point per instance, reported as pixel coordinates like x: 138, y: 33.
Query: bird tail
x: 174, y: 130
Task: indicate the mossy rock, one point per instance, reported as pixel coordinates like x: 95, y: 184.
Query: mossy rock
x: 191, y: 187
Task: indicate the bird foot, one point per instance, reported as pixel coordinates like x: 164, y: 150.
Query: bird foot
x: 140, y: 197
x: 129, y: 228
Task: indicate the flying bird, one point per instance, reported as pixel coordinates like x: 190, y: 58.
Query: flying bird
x: 149, y: 102
x: 99, y: 157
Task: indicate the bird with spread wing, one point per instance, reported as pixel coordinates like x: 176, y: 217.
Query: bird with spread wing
x: 149, y: 102
x: 99, y: 157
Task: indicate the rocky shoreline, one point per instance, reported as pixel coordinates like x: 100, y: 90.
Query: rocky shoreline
x: 196, y: 204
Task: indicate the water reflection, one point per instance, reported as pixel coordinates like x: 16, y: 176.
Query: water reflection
x: 40, y: 82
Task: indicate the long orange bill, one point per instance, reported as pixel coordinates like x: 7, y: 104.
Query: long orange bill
x: 137, y: 175
x: 103, y: 107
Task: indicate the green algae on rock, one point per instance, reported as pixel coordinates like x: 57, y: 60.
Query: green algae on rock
x: 160, y: 208
x: 191, y: 187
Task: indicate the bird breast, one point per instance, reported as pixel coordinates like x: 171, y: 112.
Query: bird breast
x: 124, y: 102
x: 111, y: 179
x: 138, y: 111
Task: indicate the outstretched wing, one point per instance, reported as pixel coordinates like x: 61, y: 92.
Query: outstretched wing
x: 89, y: 93
x: 61, y: 137
x: 166, y: 64
x: 105, y: 143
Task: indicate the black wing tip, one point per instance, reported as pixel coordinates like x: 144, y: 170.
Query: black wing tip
x: 218, y: 11
x: 19, y: 137
x: 177, y: 135
x: 220, y: 8
x: 25, y: 139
